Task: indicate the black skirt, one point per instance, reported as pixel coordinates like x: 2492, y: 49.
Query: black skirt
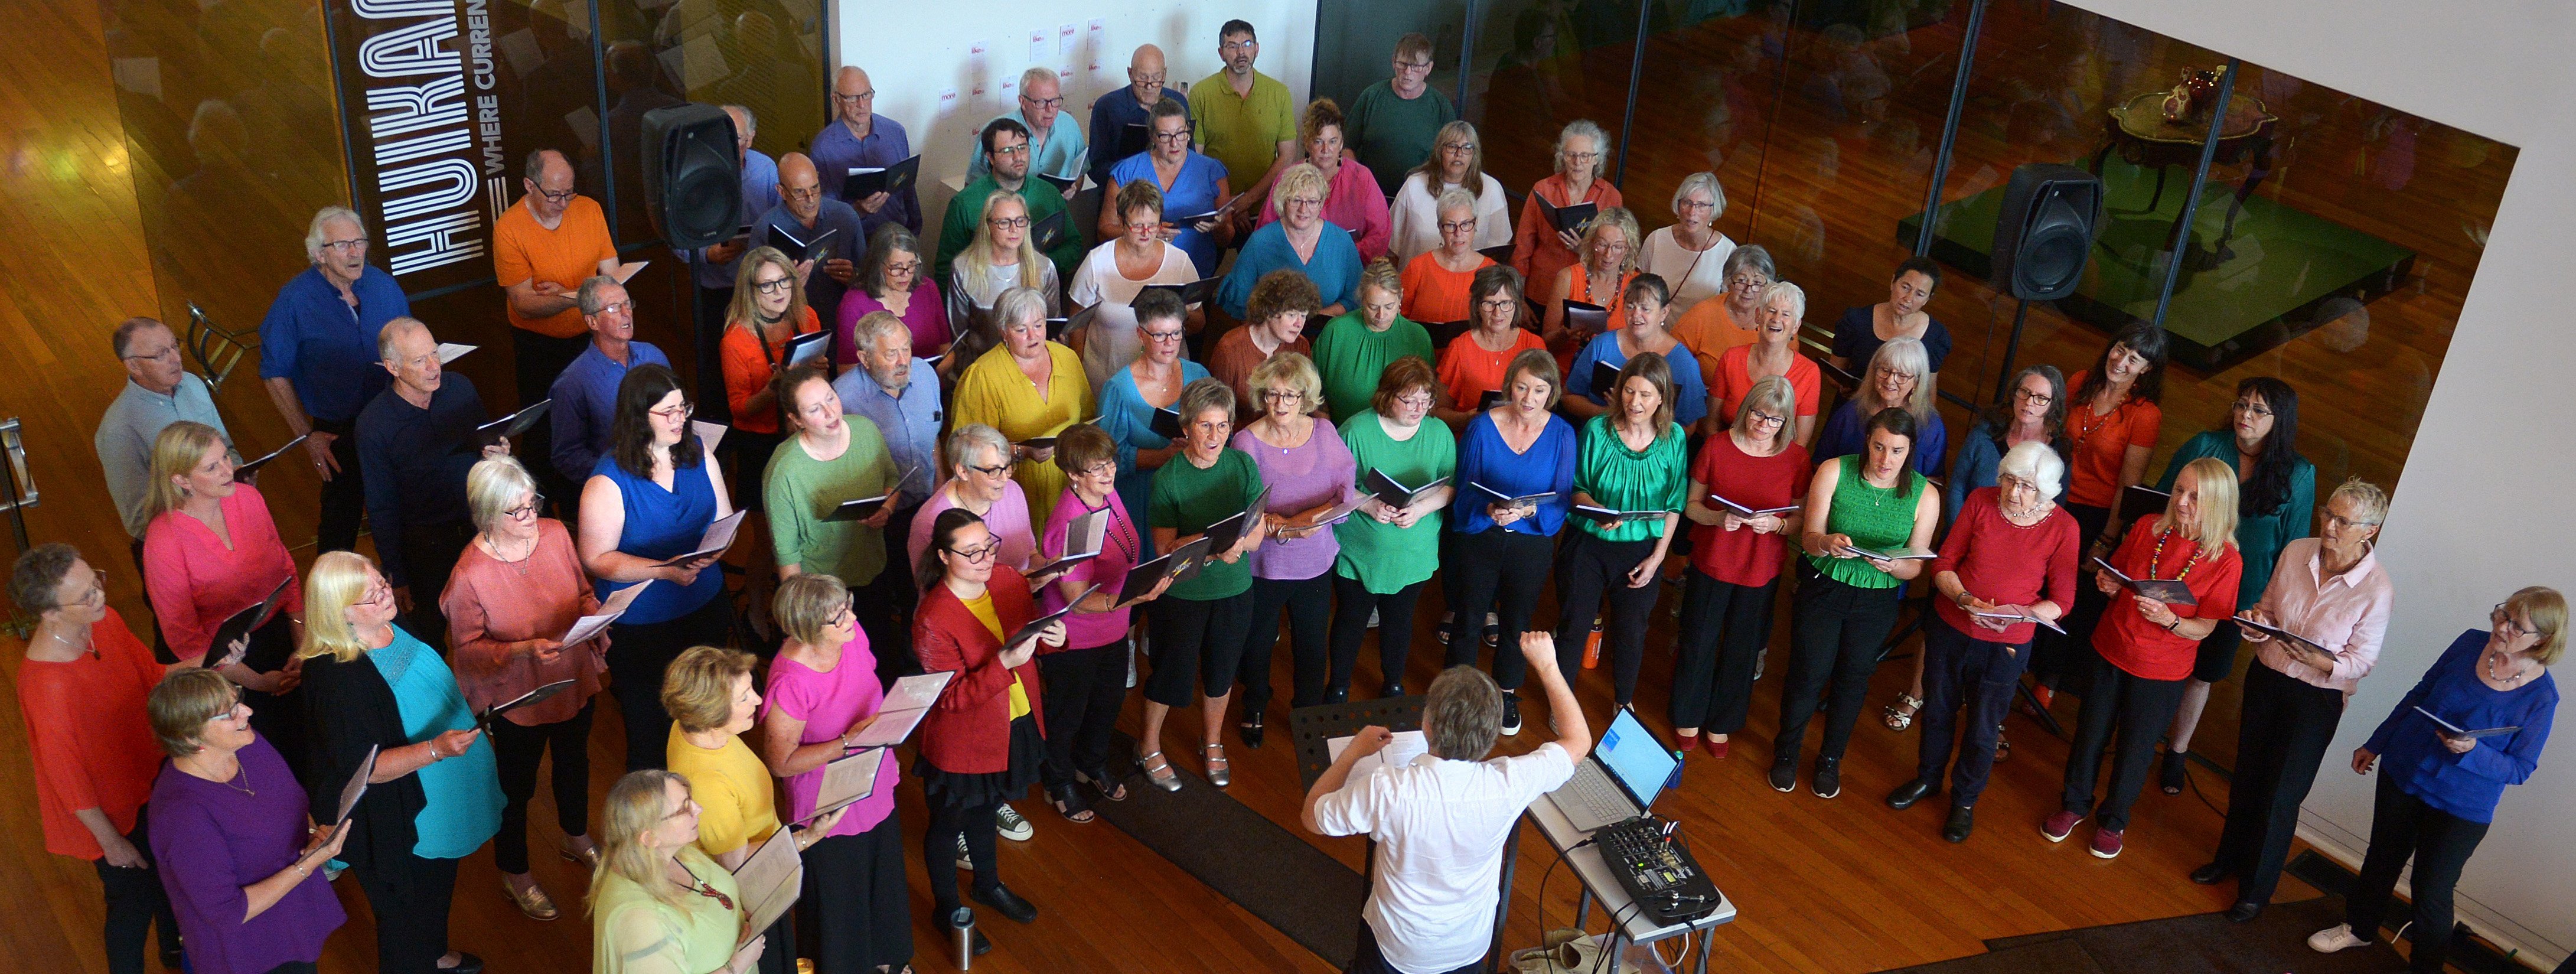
x: 954, y: 790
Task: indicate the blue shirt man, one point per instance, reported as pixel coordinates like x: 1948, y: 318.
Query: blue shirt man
x: 909, y: 417
x: 1112, y: 113
x: 325, y: 347
x: 860, y: 138
x: 416, y: 444
x: 159, y: 390
x: 804, y: 214
x: 585, y: 396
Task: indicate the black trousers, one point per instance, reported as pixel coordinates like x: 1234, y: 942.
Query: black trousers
x: 939, y: 851
x: 2284, y: 728
x: 2402, y: 827
x: 1590, y: 570
x: 1835, y: 634
x: 1501, y: 572
x: 1368, y: 959
x: 855, y: 904
x: 1083, y: 690
x: 160, y: 642
x: 2128, y: 713
x: 1352, y: 603
x: 2063, y: 661
x: 539, y: 360
x: 1725, y: 628
x: 135, y: 901
x: 429, y: 553
x: 1309, y: 602
x: 1195, y: 647
x: 1963, y: 672
x: 344, y: 496
x: 884, y: 605
x: 279, y: 717
x: 410, y: 898
x: 518, y: 750
x: 637, y: 655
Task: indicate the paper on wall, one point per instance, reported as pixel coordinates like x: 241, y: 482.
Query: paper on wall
x: 1037, y: 46
x: 979, y: 65
x: 1064, y: 36
x: 1098, y: 42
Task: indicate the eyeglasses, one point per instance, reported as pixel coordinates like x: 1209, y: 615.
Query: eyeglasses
x: 867, y: 95
x: 615, y: 306
x: 2345, y: 523
x: 1456, y: 226
x: 353, y: 246
x: 235, y: 713
x: 1008, y: 223
x: 1697, y: 205
x: 1173, y: 335
x: 673, y: 414
x: 1011, y: 150
x: 1230, y: 47
x: 904, y: 268
x: 536, y: 502
x: 97, y: 593
x: 1749, y: 282
x: 980, y: 553
x: 1168, y: 138
x: 1419, y: 400
x: 380, y: 595
x: 1155, y: 80
x: 797, y: 193
x: 776, y: 285
x: 2253, y: 409
x: 992, y: 471
x: 555, y: 197
x: 1458, y: 147
x: 1580, y: 156
x: 2506, y: 627
x: 1276, y: 395
x: 170, y: 354
x: 1302, y: 201
x: 1043, y: 104
x: 2040, y: 398
x: 1413, y: 65
x: 1761, y: 418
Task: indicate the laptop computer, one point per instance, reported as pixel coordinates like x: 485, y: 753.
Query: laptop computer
x: 1619, y: 779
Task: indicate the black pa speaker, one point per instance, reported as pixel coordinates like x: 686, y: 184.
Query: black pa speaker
x: 692, y: 175
x: 2045, y: 232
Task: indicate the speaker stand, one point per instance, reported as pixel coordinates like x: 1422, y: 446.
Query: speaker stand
x: 2003, y: 377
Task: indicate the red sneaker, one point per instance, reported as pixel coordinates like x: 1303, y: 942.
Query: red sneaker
x: 2106, y: 843
x: 2059, y: 826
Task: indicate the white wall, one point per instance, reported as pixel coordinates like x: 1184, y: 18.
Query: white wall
x: 917, y: 50
x: 2482, y: 507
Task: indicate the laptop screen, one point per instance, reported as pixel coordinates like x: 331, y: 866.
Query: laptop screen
x: 1635, y: 757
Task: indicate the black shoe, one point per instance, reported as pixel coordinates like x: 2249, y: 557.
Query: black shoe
x: 2176, y: 771
x: 1908, y: 793
x: 2243, y: 911
x: 1784, y: 773
x: 1008, y: 903
x: 2212, y: 874
x: 1390, y: 690
x: 1251, y: 731
x: 172, y: 956
x: 1829, y: 777
x: 465, y: 964
x: 1511, y: 713
x: 1342, y: 695
x: 983, y: 944
x: 1963, y: 820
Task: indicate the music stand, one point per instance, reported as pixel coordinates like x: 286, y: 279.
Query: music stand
x: 18, y: 493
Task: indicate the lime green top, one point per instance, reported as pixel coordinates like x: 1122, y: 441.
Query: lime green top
x: 800, y: 490
x: 1874, y: 517
x: 1349, y: 357
x: 1384, y: 558
x: 1188, y: 499
x: 1652, y: 479
x: 636, y: 932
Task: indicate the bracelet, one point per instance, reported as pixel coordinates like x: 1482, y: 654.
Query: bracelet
x: 2176, y: 624
x: 301, y: 871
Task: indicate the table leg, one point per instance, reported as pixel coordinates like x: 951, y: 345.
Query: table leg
x: 1583, y: 908
x: 1503, y: 903
x: 2160, y: 189
x: 1707, y: 943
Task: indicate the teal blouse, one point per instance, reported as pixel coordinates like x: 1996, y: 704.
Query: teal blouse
x: 1874, y: 517
x: 463, y: 793
x: 1616, y: 477
x: 2260, y: 538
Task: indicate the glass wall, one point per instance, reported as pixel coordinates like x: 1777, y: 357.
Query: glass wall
x: 2330, y: 243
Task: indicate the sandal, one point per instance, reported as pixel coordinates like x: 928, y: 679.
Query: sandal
x: 2003, y: 748
x: 1158, y: 771
x: 2177, y: 770
x: 1109, y: 789
x: 1898, y: 720
x: 1220, y: 772
x: 1068, y: 803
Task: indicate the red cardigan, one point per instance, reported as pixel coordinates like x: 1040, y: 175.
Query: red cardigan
x: 968, y: 731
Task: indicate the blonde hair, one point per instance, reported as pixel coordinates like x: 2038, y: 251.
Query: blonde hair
x: 1382, y: 275
x: 1905, y: 355
x: 1301, y: 179
x: 2216, y: 483
x: 806, y: 604
x: 697, y: 689
x: 2548, y: 613
x: 1626, y: 222
x: 1772, y: 395
x: 744, y: 310
x: 2372, y: 500
x: 976, y: 259
x: 1290, y: 370
x: 182, y: 704
x: 337, y: 581
x: 493, y: 487
x: 176, y: 453
x: 634, y: 807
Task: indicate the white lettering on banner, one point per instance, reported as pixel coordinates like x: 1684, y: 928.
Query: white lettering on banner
x: 442, y: 234
x: 431, y: 154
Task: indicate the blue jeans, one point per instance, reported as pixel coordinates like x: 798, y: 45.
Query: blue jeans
x: 1961, y: 670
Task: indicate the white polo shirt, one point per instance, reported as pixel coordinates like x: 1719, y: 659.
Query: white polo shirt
x: 1439, y: 825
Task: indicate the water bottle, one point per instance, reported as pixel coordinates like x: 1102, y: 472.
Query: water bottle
x: 961, y: 924
x: 1592, y: 646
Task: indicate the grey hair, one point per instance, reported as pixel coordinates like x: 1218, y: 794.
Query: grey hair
x: 1463, y: 714
x: 314, y: 238
x: 1716, y: 194
x: 2373, y: 501
x: 493, y: 487
x: 589, y: 294
x: 2036, y: 462
x: 1017, y: 305
x: 1755, y: 257
x: 1600, y: 143
x: 1037, y: 74
x: 874, y: 326
x: 1905, y: 355
x: 1203, y: 395
x: 124, y: 336
x: 33, y: 581
x: 392, y: 332
x: 973, y: 436
x: 1797, y: 297
x: 1454, y: 198
x: 750, y: 122
x: 534, y: 169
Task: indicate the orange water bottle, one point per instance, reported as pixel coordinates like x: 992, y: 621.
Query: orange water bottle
x: 1592, y: 646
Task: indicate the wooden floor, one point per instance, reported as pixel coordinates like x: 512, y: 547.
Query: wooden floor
x: 1823, y: 886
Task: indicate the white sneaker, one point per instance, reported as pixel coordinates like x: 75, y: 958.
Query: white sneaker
x: 964, y: 860
x: 2334, y: 938
x: 1012, y: 826
x: 1372, y: 619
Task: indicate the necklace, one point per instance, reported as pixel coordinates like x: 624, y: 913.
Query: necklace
x: 241, y: 773
x: 91, y: 649
x: 2155, y: 561
x: 520, y: 563
x: 2493, y: 667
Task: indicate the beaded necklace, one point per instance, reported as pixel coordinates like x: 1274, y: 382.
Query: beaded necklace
x: 2156, y: 560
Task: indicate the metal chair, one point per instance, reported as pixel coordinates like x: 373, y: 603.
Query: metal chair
x: 218, y: 350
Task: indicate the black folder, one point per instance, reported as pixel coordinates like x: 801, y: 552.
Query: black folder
x: 864, y: 182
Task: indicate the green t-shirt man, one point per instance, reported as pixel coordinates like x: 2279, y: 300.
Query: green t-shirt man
x: 1393, y: 134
